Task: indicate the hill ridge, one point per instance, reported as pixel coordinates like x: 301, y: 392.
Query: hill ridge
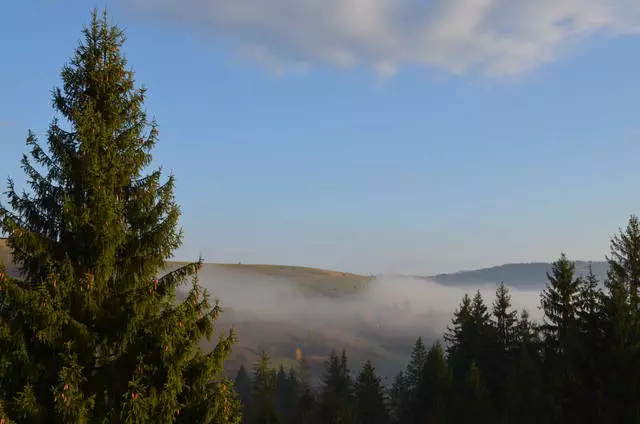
x: 516, y: 274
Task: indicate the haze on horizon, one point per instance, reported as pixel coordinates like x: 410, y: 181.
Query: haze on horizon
x: 380, y: 321
x: 368, y: 136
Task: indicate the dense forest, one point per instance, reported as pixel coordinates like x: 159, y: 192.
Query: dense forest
x: 92, y: 335
x: 495, y: 365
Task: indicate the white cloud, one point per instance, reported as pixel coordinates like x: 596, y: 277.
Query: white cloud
x: 492, y: 37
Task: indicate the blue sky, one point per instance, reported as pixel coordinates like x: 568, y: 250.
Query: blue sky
x: 368, y: 135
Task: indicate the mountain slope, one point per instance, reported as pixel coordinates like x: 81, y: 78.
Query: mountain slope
x: 335, y: 284
x: 521, y: 275
x: 280, y: 309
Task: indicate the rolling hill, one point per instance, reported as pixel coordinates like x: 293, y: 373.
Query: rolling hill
x: 279, y: 308
x: 521, y: 275
x: 335, y: 283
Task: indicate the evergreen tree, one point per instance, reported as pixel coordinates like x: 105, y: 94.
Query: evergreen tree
x: 91, y: 334
x: 306, y: 405
x: 336, y: 397
x: 624, y: 260
x: 461, y: 320
x: 306, y: 409
x: 416, y: 363
x: 525, y: 401
x: 477, y: 404
x: 398, y: 399
x: 483, y: 339
x: 460, y: 338
x: 470, y: 340
x: 527, y: 334
x: 281, y: 391
x: 287, y: 395
x: 505, y: 320
x: 243, y: 385
x: 589, y: 355
x: 434, y: 389
x: 370, y: 402
x: 559, y: 302
x: 622, y: 326
x: 412, y: 377
x: 263, y: 392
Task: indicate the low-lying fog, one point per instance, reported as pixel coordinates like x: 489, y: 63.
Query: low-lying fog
x: 380, y: 322
x: 396, y: 302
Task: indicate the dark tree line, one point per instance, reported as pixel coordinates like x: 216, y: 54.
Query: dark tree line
x: 580, y: 364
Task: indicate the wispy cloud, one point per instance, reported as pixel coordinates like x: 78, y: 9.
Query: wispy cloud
x: 490, y: 37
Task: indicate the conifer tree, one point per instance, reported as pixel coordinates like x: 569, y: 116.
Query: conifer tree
x: 398, y: 399
x: 476, y: 405
x: 622, y: 325
x: 525, y: 398
x: 411, y: 379
x: 459, y: 338
x: 370, y: 403
x: 336, y: 397
x: 90, y: 333
x: 460, y: 321
x: 263, y: 392
x: 505, y: 320
x: 416, y: 363
x: 483, y: 339
x: 287, y: 395
x: 435, y: 389
x: 624, y: 260
x: 281, y: 390
x: 306, y: 407
x: 293, y: 396
x: 242, y: 384
x: 527, y: 333
x: 479, y: 311
x: 306, y: 411
x: 589, y: 356
x: 560, y: 302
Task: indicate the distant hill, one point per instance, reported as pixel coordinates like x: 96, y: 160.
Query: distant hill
x: 311, y: 281
x: 269, y: 316
x: 521, y: 275
x: 335, y: 284
x: 327, y: 282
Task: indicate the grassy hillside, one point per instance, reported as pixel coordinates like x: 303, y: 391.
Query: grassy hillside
x: 312, y: 281
x: 337, y: 284
x: 262, y: 293
x: 309, y: 280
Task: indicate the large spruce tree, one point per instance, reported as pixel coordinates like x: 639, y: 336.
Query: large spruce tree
x: 91, y: 332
